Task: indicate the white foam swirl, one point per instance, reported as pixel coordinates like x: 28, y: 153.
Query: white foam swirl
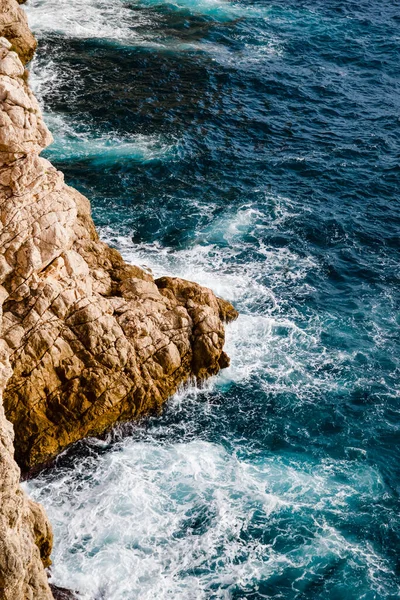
x: 149, y: 520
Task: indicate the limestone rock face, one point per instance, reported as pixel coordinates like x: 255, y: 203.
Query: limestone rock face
x: 14, y: 27
x: 25, y: 534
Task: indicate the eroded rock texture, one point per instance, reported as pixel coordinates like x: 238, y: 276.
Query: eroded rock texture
x: 14, y: 27
x: 25, y: 534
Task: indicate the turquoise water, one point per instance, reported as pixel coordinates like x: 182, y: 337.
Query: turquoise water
x: 254, y: 147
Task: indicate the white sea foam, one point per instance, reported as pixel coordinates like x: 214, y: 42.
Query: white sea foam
x: 102, y: 19
x: 148, y: 520
x: 115, y: 19
x: 218, y: 9
x: 115, y: 22
x: 74, y: 142
x: 220, y: 267
x: 271, y: 341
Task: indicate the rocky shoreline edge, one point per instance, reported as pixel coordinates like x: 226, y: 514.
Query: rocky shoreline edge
x: 86, y: 340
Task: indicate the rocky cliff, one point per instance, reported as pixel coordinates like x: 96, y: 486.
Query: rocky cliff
x: 25, y: 534
x: 86, y: 339
x: 14, y: 27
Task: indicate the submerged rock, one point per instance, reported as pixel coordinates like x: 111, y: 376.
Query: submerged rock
x: 62, y: 593
x: 86, y: 339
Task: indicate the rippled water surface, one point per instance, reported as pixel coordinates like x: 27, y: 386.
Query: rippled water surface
x: 252, y: 146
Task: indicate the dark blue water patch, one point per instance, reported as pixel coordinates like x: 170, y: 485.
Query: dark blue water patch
x: 217, y: 165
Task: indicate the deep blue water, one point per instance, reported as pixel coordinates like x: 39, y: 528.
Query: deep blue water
x: 253, y: 146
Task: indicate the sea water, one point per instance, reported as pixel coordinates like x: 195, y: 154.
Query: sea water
x: 252, y: 146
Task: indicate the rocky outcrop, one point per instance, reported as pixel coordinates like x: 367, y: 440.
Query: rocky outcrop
x: 25, y: 534
x: 63, y: 593
x: 14, y: 27
x: 86, y: 339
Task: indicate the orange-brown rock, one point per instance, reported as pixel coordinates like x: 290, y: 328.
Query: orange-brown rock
x: 25, y: 534
x: 14, y: 27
